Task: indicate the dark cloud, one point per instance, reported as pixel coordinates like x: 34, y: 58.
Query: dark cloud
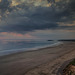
x: 51, y: 1
x: 23, y: 26
x: 5, y: 7
x: 30, y: 17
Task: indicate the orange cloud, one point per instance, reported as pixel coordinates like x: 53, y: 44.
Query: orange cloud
x: 28, y: 36
x: 3, y: 33
x: 6, y: 35
x: 15, y: 34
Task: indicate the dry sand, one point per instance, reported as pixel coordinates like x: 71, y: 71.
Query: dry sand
x: 46, y: 61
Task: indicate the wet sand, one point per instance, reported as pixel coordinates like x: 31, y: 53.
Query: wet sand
x: 45, y: 61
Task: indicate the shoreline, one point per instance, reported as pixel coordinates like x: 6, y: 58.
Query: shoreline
x: 27, y: 62
x: 34, y: 49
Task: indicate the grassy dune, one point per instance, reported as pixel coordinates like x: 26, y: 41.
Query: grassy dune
x: 70, y: 69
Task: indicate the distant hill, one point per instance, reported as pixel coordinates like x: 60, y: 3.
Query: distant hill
x: 67, y: 40
x: 50, y: 40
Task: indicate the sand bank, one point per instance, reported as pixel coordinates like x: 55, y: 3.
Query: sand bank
x: 45, y: 61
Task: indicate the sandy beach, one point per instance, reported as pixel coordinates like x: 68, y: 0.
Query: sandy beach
x: 45, y: 61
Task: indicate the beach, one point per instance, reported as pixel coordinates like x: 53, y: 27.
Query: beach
x: 44, y: 61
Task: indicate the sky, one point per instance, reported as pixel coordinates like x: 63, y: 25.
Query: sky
x: 37, y: 19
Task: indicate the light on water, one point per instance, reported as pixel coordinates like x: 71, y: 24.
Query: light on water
x: 9, y: 46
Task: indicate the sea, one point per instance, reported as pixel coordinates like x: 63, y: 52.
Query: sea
x: 14, y: 46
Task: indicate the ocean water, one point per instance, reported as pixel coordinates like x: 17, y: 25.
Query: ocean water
x: 13, y: 46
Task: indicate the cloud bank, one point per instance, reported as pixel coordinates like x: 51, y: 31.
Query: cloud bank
x: 21, y: 16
